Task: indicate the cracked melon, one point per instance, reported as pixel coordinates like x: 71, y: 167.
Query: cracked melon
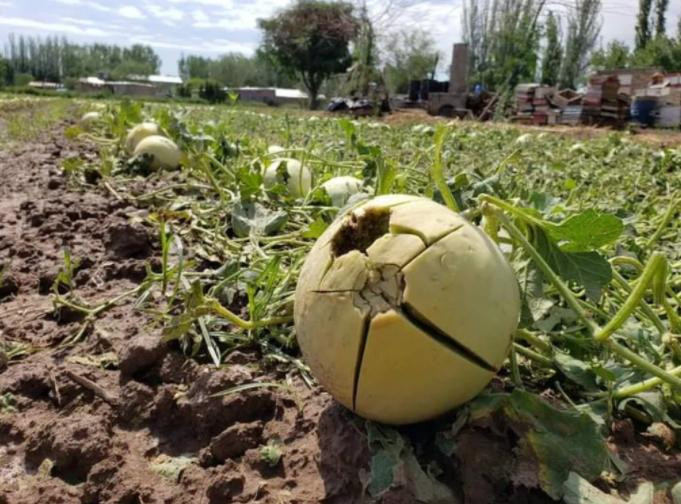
x: 405, y: 310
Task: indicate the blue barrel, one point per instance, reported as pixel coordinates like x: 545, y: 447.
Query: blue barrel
x: 643, y: 110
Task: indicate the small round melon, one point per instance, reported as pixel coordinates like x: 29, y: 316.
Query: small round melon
x: 139, y: 133
x: 340, y: 189
x: 275, y: 149
x: 164, y: 151
x: 290, y: 173
x: 404, y: 310
x: 90, y: 119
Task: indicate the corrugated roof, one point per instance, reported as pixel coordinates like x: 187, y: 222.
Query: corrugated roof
x: 165, y: 79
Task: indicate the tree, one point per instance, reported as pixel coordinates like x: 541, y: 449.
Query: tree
x: 583, y: 28
x: 235, y: 70
x: 661, y: 52
x: 553, y: 53
x: 6, y: 73
x: 661, y: 7
x: 56, y: 60
x: 311, y: 39
x: 503, y: 38
x: 409, y: 55
x: 615, y: 55
x: 643, y: 23
x: 364, y: 69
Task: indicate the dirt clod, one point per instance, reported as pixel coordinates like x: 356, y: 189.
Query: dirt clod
x: 141, y: 353
x: 234, y: 441
x: 125, y: 240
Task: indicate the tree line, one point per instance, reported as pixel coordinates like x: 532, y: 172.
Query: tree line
x: 235, y: 70
x: 513, y: 41
x: 653, y: 46
x: 56, y: 59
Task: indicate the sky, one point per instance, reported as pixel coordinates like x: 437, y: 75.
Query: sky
x: 214, y: 27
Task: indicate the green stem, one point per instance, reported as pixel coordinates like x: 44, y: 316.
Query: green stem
x: 656, y: 264
x: 532, y: 355
x: 515, y: 371
x: 546, y: 270
x: 571, y: 300
x: 643, y: 364
x: 214, y: 306
x: 666, y: 219
x: 645, y: 307
x: 437, y: 170
x: 533, y: 340
x: 643, y: 386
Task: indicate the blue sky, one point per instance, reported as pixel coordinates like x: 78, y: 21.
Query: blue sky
x: 212, y: 27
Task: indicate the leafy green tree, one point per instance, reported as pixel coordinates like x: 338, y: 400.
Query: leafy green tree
x: 615, y: 55
x: 311, y: 39
x: 55, y: 59
x: 643, y: 23
x: 409, y: 55
x: 661, y: 7
x: 583, y: 28
x: 661, y: 52
x: 503, y: 38
x: 553, y: 53
x: 212, y: 91
x: 235, y: 70
x: 6, y: 73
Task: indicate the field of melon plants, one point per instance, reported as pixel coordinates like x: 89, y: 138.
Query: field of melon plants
x: 151, y: 326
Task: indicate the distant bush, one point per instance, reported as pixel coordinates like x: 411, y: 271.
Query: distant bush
x: 22, y: 79
x: 212, y: 91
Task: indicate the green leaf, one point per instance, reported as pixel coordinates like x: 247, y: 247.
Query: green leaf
x: 586, y: 231
x: 253, y: 219
x: 576, y: 370
x: 249, y: 181
x: 315, y: 229
x: 588, y: 269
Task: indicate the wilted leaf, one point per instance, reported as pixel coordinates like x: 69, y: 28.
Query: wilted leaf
x: 676, y: 493
x: 393, y: 463
x: 253, y: 219
x: 554, y: 441
x: 170, y: 467
x: 580, y: 491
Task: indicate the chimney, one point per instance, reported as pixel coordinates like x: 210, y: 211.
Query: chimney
x: 458, y: 72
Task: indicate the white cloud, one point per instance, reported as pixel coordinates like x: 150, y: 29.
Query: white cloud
x: 200, y: 16
x: 78, y: 21
x: 31, y: 24
x: 130, y: 12
x: 217, y: 46
x: 164, y: 12
x: 5, y: 4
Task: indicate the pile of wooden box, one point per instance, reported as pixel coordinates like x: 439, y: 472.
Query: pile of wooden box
x: 534, y: 106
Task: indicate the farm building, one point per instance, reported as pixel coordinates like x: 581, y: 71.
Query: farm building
x: 165, y: 85
x: 271, y: 96
x: 154, y: 85
x: 45, y: 85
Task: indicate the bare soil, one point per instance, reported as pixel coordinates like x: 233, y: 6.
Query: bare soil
x: 120, y: 417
